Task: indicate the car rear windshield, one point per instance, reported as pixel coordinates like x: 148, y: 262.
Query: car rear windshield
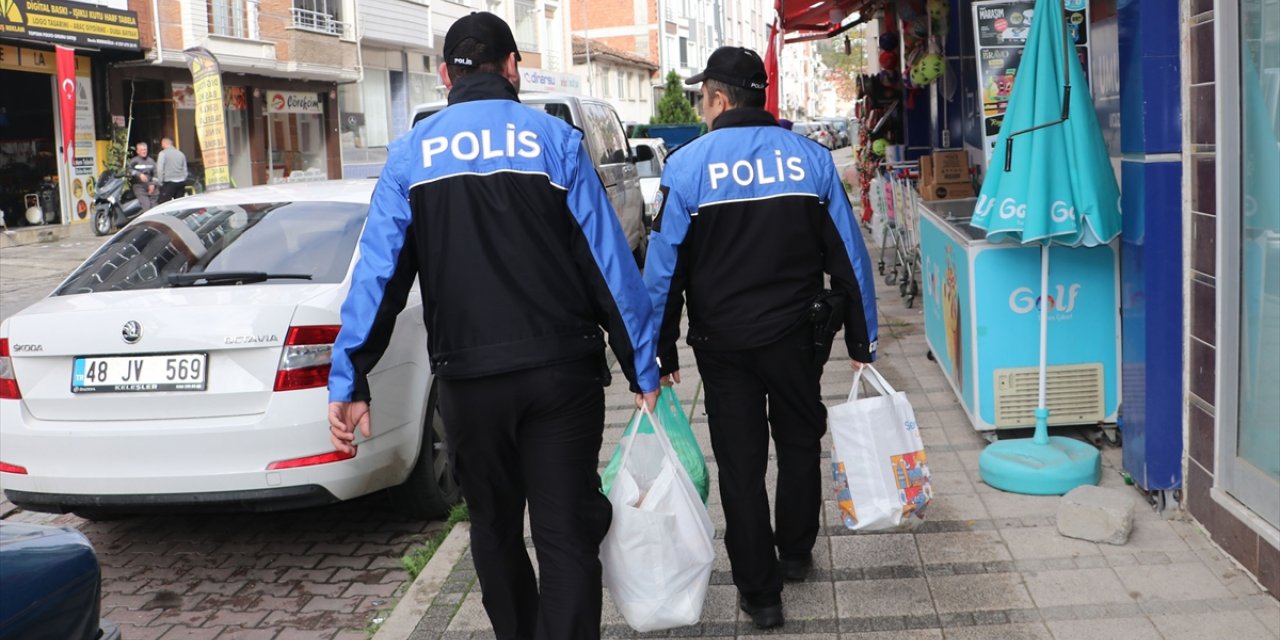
x: 311, y: 238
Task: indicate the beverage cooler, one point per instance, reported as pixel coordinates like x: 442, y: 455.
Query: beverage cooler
x: 982, y: 322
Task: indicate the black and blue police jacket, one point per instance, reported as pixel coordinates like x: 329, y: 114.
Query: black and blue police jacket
x: 498, y: 211
x: 750, y: 217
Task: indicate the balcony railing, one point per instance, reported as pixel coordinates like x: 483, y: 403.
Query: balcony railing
x: 320, y: 22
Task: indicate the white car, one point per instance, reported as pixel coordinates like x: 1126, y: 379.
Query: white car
x: 185, y: 364
x: 650, y: 172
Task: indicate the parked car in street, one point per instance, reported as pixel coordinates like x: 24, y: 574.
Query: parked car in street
x: 650, y: 172
x: 184, y: 365
x: 813, y: 131
x: 840, y: 126
x: 53, y: 585
x: 606, y: 143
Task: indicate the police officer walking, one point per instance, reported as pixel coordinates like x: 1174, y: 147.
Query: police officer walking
x: 499, y: 212
x: 751, y: 216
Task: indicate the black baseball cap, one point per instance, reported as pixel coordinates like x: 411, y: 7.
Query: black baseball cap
x: 484, y: 28
x: 736, y: 66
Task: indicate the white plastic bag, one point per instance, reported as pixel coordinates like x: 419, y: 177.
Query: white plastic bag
x: 658, y: 554
x: 877, y: 458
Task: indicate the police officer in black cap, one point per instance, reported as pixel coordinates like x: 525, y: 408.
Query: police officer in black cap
x: 750, y: 218
x: 498, y: 211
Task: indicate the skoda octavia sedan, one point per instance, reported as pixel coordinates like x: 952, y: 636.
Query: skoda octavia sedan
x: 184, y: 365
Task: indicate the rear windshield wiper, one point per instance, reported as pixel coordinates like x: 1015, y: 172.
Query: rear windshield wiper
x: 209, y: 278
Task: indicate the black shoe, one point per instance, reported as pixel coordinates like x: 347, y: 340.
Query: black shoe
x: 796, y: 569
x: 765, y: 616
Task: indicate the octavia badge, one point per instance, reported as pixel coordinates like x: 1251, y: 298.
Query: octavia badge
x: 132, y: 331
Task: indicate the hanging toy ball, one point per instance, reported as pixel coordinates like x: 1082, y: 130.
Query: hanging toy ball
x: 917, y: 76
x: 879, y: 146
x: 938, y: 9
x: 920, y: 26
x: 931, y: 67
x: 888, y: 60
x: 889, y: 41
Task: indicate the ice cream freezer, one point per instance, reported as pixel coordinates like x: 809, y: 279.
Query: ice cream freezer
x: 982, y: 322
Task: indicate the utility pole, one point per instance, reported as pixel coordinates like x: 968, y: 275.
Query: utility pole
x: 586, y: 37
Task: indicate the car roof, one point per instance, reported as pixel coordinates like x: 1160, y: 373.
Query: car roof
x: 533, y: 97
x: 648, y: 140
x: 353, y: 191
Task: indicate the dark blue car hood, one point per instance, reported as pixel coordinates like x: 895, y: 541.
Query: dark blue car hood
x: 49, y: 583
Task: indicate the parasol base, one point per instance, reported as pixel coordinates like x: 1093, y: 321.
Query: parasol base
x: 1053, y: 468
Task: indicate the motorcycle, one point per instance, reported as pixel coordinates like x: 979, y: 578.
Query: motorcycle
x: 115, y: 204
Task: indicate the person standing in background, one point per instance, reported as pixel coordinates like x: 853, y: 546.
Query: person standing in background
x: 171, y: 170
x: 142, y: 173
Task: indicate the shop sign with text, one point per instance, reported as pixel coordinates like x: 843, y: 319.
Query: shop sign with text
x: 294, y: 102
x: 70, y: 24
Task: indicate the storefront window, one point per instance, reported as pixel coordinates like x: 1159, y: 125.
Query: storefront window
x: 1259, y: 435
x: 296, y: 136
x: 1249, y: 244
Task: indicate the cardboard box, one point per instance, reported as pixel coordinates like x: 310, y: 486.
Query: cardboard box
x: 951, y: 191
x: 950, y: 166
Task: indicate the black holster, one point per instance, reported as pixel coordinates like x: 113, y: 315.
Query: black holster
x: 826, y: 316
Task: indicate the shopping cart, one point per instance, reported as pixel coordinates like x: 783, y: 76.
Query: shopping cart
x: 895, y: 192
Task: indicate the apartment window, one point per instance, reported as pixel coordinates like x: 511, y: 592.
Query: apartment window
x: 684, y: 52
x: 226, y: 18
x: 318, y: 15
x: 623, y: 94
x: 526, y: 26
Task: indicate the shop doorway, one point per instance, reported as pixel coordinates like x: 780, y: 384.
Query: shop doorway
x: 28, y: 150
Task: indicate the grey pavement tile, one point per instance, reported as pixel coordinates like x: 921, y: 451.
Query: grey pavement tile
x: 471, y: 615
x: 873, y: 550
x: 880, y: 598
x: 1104, y: 629
x: 1149, y: 536
x: 1211, y: 626
x: 1270, y: 618
x: 1174, y: 582
x: 950, y: 482
x: 944, y: 461
x: 1013, y: 505
x: 957, y: 506
x: 910, y: 634
x: 809, y: 601
x: 1075, y: 587
x: 1032, y: 631
x: 1030, y: 543
x: 967, y: 546
x: 968, y: 593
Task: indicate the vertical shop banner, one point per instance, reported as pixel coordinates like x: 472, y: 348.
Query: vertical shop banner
x: 66, y: 60
x: 211, y: 127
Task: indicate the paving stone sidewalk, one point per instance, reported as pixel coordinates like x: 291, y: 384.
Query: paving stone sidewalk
x: 985, y: 564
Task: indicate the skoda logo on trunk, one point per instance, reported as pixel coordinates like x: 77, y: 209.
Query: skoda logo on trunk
x: 132, y: 331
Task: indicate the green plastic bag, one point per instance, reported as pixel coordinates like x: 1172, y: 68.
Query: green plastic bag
x: 682, y: 440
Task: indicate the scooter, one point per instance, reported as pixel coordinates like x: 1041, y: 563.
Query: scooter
x: 115, y: 204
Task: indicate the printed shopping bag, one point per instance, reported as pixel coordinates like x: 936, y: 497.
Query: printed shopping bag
x: 658, y: 553
x: 877, y: 458
x: 682, y: 440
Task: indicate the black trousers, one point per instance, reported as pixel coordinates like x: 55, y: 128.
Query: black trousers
x: 751, y: 393
x: 170, y: 190
x: 533, y: 436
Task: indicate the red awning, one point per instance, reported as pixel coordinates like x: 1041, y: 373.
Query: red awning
x: 811, y: 20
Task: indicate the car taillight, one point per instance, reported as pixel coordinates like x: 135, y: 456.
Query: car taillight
x: 308, y: 350
x: 8, y: 380
x: 5, y: 467
x: 308, y: 461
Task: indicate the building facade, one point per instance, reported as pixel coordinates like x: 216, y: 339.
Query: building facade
x: 624, y: 79
x: 39, y: 184
x: 282, y: 63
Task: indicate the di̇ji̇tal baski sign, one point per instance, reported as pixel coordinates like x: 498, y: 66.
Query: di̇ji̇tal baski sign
x: 70, y: 24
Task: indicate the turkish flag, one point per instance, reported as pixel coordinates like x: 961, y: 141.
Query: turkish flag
x: 67, y: 101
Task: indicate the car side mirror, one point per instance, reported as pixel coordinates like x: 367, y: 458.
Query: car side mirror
x: 642, y: 154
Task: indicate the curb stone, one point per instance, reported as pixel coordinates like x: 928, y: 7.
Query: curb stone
x: 404, y: 618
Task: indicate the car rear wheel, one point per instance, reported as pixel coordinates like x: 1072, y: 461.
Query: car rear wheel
x: 431, y: 490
